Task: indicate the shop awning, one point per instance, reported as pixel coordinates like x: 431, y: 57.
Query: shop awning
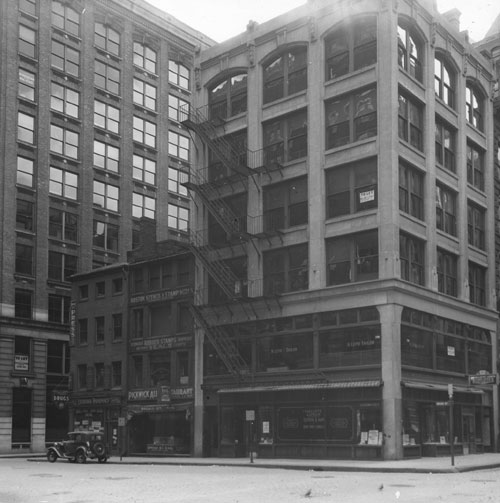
x: 373, y: 383
x: 440, y: 387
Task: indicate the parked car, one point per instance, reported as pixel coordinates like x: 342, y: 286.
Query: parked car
x: 80, y: 446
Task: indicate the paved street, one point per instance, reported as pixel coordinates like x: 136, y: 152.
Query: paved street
x: 22, y: 481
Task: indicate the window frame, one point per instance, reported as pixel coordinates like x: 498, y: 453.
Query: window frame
x: 475, y: 170
x: 447, y: 272
x: 476, y: 225
x: 104, y: 156
x: 176, y: 220
x: 477, y: 284
x: 109, y: 236
x: 227, y: 99
x: 25, y: 170
x: 61, y: 266
x: 68, y: 105
x: 142, y: 95
x: 67, y: 189
x: 141, y: 58
x: 410, y: 51
x: 179, y: 145
x: 446, y: 209
x: 26, y: 84
x: 411, y: 193
x: 141, y: 134
x: 410, y: 130
x: 445, y: 145
x: 284, y: 271
x: 474, y: 106
x: 103, y: 39
x: 24, y: 259
x: 107, y: 77
x: 107, y: 116
x: 65, y: 59
x: 410, y: 248
x: 143, y: 206
x: 67, y: 223
x: 109, y: 203
x: 444, y: 81
x: 27, y: 41
x: 177, y: 74
x: 62, y: 20
x: 64, y: 141
x: 175, y: 182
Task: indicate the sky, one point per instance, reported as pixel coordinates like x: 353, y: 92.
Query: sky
x: 223, y: 19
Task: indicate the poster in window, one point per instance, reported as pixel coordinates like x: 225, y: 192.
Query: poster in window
x: 298, y: 423
x: 340, y: 423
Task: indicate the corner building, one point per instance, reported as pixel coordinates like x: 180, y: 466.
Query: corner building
x: 344, y: 236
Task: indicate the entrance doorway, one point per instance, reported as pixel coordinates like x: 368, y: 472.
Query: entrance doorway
x: 468, y: 433
x: 21, y: 417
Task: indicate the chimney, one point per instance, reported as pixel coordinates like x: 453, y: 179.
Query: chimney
x: 453, y: 17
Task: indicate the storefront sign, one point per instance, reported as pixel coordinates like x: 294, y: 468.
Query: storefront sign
x: 21, y: 362
x: 72, y: 323
x: 159, y: 296
x: 164, y: 394
x: 154, y: 343
x: 94, y: 401
x: 483, y: 379
x: 181, y: 393
x: 143, y: 395
x: 60, y: 396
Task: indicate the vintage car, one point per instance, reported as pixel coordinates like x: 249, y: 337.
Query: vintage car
x: 80, y: 446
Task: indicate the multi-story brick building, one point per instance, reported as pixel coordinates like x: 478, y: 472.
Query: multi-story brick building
x: 90, y: 93
x: 346, y: 192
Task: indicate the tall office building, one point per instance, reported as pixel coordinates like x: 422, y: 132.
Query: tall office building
x: 345, y: 235
x: 90, y: 94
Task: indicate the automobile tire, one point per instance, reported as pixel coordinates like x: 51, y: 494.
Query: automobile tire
x: 51, y: 457
x: 99, y: 449
x: 102, y: 460
x: 81, y: 457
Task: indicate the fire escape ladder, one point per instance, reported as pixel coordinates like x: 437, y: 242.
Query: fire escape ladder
x: 224, y: 346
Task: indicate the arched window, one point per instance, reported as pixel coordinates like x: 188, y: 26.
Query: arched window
x: 229, y: 98
x: 65, y: 18
x: 474, y: 104
x: 410, y: 52
x: 444, y: 82
x: 286, y: 74
x: 351, y: 47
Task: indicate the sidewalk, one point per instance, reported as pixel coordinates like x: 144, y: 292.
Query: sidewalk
x: 421, y: 465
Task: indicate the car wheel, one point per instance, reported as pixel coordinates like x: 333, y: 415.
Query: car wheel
x: 102, y: 460
x: 81, y: 457
x: 99, y: 449
x: 51, y: 457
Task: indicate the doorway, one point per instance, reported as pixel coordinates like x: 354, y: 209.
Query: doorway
x: 469, y: 433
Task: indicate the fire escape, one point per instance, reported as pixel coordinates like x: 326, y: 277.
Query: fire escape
x: 241, y: 167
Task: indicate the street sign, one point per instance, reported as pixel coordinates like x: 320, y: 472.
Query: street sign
x: 442, y: 404
x: 483, y: 379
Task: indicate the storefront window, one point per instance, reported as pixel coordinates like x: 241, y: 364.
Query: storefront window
x: 159, y: 365
x: 436, y: 425
x: 450, y: 354
x: 287, y: 352
x: 416, y: 347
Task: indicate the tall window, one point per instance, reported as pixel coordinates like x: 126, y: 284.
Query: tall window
x: 99, y: 375
x: 25, y: 215
x: 106, y: 116
x: 178, y: 217
x: 144, y: 94
x: 63, y: 183
x: 65, y: 18
x: 145, y: 57
x: 177, y: 108
x: 138, y: 323
x: 99, y: 329
x: 447, y: 272
x: 285, y: 75
x: 106, y: 156
x: 474, y: 104
x: 107, y: 39
x: 229, y: 97
x: 105, y: 235
x: 64, y: 100
x: 286, y: 270
x: 59, y: 308
x: 477, y: 284
x: 445, y: 145
x: 352, y: 258
x: 25, y: 171
x: 27, y: 41
x: 412, y: 259
x: 23, y: 304
x: 144, y: 131
x: 411, y: 191
x: 65, y: 59
x: 82, y: 376
x: 116, y: 374
x: 25, y: 128
x: 351, y: 118
x: 351, y: 188
x: 410, y: 51
x: 475, y: 166
x: 143, y: 206
x: 24, y: 259
x: 64, y: 141
x: 63, y: 225
x: 144, y: 169
x: 476, y: 226
x: 178, y: 74
x: 106, y: 195
x: 444, y: 82
x: 178, y: 145
x: 61, y: 266
x: 285, y: 139
x: 410, y: 121
x: 175, y: 180
x: 117, y: 320
x: 350, y: 47
x: 83, y: 331
x: 57, y: 357
x: 106, y: 77
x: 27, y: 85
x: 446, y: 210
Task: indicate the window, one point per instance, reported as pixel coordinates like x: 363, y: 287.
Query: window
x: 351, y: 118
x: 99, y: 375
x: 64, y: 141
x: 184, y: 318
x: 351, y: 188
x: 25, y: 128
x: 106, y: 156
x: 143, y: 206
x: 24, y: 259
x: 83, y: 331
x: 476, y: 226
x: 57, y: 357
x: 352, y: 258
x: 100, y: 289
x: 228, y: 98
x: 63, y: 183
x: 178, y: 218
x: 59, y: 308
x: 82, y: 376
x: 144, y: 169
x: 65, y: 59
x: 477, y: 284
x: 178, y: 74
x: 138, y: 323
x: 99, y: 329
x: 106, y: 117
x: 475, y: 167
x: 61, y: 266
x: 444, y: 82
x: 107, y: 39
x: 145, y: 57
x: 178, y: 145
x: 84, y: 292
x: 175, y: 180
x: 410, y: 122
x: 411, y: 255
x: 445, y: 145
x: 138, y: 372
x: 285, y: 139
x: 145, y: 132
x: 286, y: 270
x: 182, y: 368
x: 117, y: 285
x: 23, y: 350
x: 411, y: 191
x: 106, y: 196
x: 286, y: 74
x: 410, y: 52
x: 177, y: 109
x: 351, y: 47
x: 63, y: 225
x: 117, y: 326
x: 27, y: 41
x: 447, y: 272
x: 105, y: 236
x: 106, y: 77
x: 116, y: 374
x: 138, y: 284
x: 446, y: 210
x: 28, y: 6
x: 65, y: 18
x: 25, y: 171
x: 474, y: 104
x: 145, y: 94
x: 23, y: 304
x: 27, y: 85
x: 25, y: 215
x: 64, y: 100
x: 285, y: 204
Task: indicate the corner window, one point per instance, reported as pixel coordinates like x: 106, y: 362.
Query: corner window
x: 411, y: 191
x: 410, y: 52
x: 444, y: 82
x: 411, y: 255
x: 286, y: 74
x: 410, y: 121
x: 474, y: 106
x: 229, y: 97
